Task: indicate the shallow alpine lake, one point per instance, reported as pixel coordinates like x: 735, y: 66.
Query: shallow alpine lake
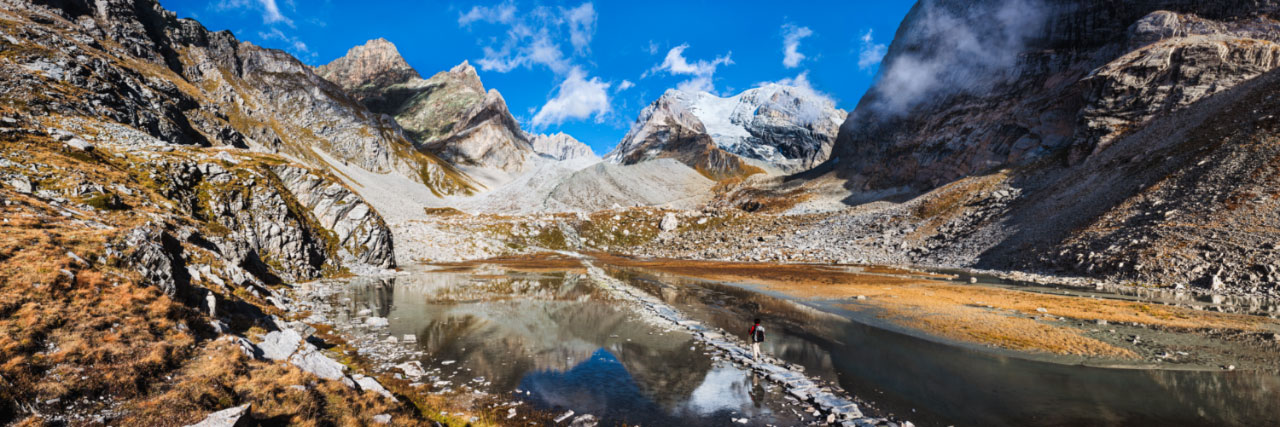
x: 550, y: 340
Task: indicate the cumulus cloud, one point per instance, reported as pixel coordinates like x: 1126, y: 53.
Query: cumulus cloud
x: 577, y: 98
x: 869, y: 52
x: 533, y: 38
x: 791, y: 36
x: 702, y: 70
x: 949, y: 51
x: 652, y: 48
x: 536, y: 38
x: 626, y: 84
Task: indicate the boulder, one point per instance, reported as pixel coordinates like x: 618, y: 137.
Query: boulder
x: 230, y: 417
x: 371, y: 384
x: 669, y: 222
x: 310, y: 359
x: 21, y: 185
x: 279, y: 345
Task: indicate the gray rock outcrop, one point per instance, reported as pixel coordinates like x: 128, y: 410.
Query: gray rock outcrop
x: 157, y: 255
x: 280, y: 223
x: 363, y: 236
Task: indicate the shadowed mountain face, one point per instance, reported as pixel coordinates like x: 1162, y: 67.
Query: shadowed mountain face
x: 449, y: 114
x: 973, y: 86
x: 1134, y: 133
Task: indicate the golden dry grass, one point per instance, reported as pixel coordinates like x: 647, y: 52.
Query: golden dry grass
x: 541, y: 262
x: 979, y: 314
x: 83, y: 335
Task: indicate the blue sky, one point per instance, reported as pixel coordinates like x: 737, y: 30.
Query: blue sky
x: 587, y: 68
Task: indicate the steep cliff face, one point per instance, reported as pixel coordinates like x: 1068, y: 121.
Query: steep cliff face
x: 560, y: 146
x: 973, y: 86
x: 668, y: 129
x: 137, y: 64
x: 450, y: 114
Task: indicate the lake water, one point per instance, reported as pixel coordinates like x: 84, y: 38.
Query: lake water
x: 563, y: 345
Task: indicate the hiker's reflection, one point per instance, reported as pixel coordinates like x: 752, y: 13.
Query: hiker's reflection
x: 757, y: 390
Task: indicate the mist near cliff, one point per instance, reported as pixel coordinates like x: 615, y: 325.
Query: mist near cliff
x: 952, y: 47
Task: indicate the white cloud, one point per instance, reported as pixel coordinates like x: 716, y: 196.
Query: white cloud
x: 626, y: 84
x: 653, y: 48
x: 533, y: 38
x: 577, y: 98
x: 271, y: 13
x: 702, y: 71
x: 791, y: 36
x: 582, y: 26
x: 504, y: 13
x: 268, y: 8
x: 870, y: 53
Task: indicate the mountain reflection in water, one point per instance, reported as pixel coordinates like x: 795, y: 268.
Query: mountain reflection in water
x: 571, y: 348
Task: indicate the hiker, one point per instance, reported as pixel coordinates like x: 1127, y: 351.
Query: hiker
x: 757, y: 337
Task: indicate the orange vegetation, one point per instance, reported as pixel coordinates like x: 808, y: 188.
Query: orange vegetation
x: 991, y: 316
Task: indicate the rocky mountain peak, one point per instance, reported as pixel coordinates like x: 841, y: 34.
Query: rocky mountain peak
x: 464, y: 68
x: 559, y: 146
x: 450, y: 114
x: 786, y: 127
x: 377, y: 63
x: 668, y: 128
x: 462, y: 76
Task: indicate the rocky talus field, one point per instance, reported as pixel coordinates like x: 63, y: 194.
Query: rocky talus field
x: 178, y: 206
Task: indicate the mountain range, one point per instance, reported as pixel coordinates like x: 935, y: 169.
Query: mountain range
x: 154, y: 171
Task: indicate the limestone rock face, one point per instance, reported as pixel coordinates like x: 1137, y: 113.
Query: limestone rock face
x: 1136, y: 135
x: 484, y: 135
x: 450, y: 114
x: 363, y: 236
x: 1038, y: 79
x: 280, y: 223
x: 560, y: 146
